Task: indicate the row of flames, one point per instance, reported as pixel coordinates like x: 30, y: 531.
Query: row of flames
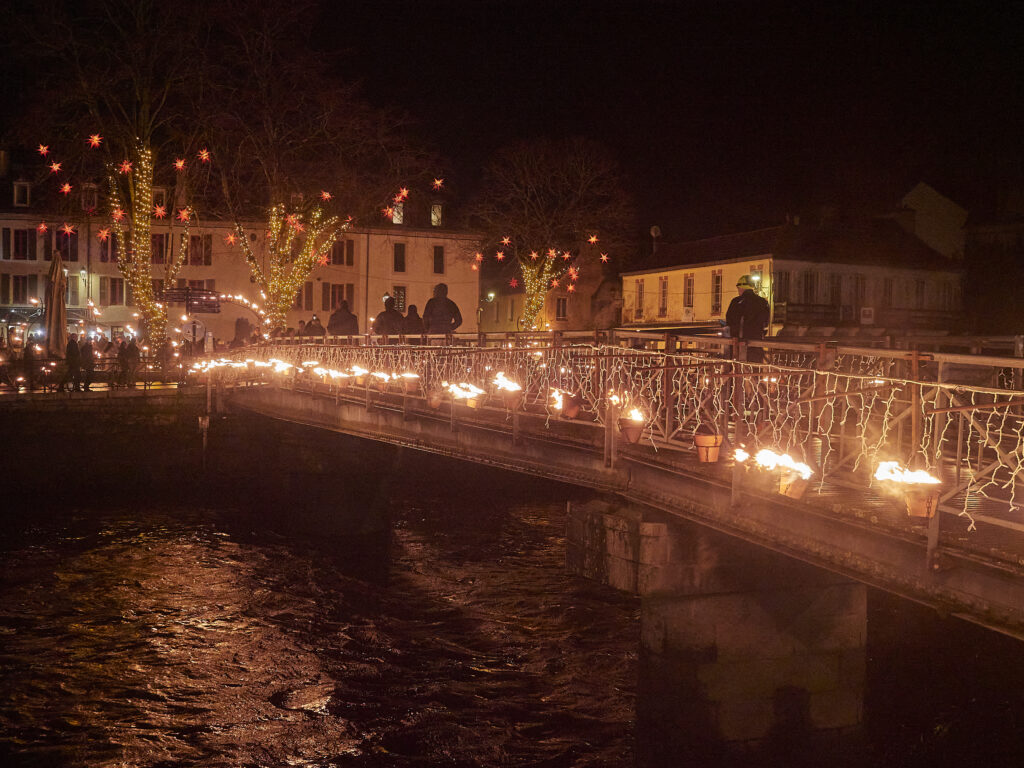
x: 888, y: 471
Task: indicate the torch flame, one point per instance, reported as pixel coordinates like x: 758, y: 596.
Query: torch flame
x: 637, y: 415
x: 892, y: 471
x: 464, y: 391
x: 771, y: 460
x: 501, y: 381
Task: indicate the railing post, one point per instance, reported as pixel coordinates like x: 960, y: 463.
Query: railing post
x: 915, y: 405
x: 611, y: 414
x: 935, y: 523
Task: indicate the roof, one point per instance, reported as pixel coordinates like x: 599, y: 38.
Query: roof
x: 872, y: 242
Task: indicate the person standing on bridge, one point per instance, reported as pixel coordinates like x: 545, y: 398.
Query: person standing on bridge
x: 441, y: 315
x: 748, y: 316
x: 342, y: 322
x: 390, y: 321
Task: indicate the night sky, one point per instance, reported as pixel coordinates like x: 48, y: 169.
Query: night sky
x: 727, y: 115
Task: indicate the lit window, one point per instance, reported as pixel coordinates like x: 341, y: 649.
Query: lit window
x: 397, y: 213
x: 663, y: 296
x: 638, y: 308
x: 398, y: 294
x: 562, y: 308
x: 435, y: 215
x: 90, y: 197
x: 160, y: 196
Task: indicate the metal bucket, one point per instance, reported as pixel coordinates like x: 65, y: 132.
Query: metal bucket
x: 922, y: 502
x: 708, y: 447
x: 631, y: 430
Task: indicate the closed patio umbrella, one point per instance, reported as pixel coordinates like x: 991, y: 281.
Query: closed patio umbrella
x: 56, y: 315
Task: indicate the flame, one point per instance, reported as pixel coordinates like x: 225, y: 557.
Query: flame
x: 741, y: 455
x: 501, y: 381
x: 464, y: 391
x: 893, y: 472
x: 556, y: 399
x: 637, y: 415
x: 771, y: 460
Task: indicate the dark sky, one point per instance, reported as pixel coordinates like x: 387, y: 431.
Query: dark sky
x: 727, y: 115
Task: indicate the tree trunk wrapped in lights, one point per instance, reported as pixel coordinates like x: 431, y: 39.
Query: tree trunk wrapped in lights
x: 293, y: 249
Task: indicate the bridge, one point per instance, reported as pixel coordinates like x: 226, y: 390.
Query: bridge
x: 641, y: 417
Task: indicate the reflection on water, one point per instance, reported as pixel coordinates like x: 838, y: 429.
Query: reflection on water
x: 166, y: 637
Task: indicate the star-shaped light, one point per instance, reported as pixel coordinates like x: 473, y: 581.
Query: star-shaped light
x: 473, y: 267
x: 573, y: 273
x: 403, y: 192
x: 438, y: 183
x: 506, y: 240
x: 95, y: 140
x: 566, y: 255
x: 604, y: 257
x: 65, y: 188
x: 43, y: 150
x: 325, y: 195
x: 42, y: 227
x: 388, y: 212
x: 160, y: 211
x: 125, y: 167
x: 479, y: 257
x: 55, y: 167
x: 322, y: 259
x: 204, y: 155
x: 552, y: 253
x: 117, y: 214
x: 292, y: 220
x: 571, y: 288
x: 554, y: 283
x: 183, y: 214
x: 592, y: 239
x: 500, y: 255
x: 231, y: 239
x: 179, y: 164
x: 534, y: 255
x: 67, y: 229
x: 103, y: 234
x: 513, y: 283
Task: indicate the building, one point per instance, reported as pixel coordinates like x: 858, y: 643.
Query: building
x: 364, y: 264
x: 817, y: 278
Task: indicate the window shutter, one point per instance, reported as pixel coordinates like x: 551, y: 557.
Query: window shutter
x: 211, y: 284
x: 32, y: 238
x: 33, y: 286
x: 325, y: 304
x: 350, y: 252
x: 5, y: 289
x: 309, y: 297
x: 207, y: 250
x: 104, y: 291
x: 6, y: 243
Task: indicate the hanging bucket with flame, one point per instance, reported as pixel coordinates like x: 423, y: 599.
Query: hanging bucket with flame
x: 468, y: 392
x: 567, y: 406
x: 708, y: 447
x: 434, y: 400
x: 920, y: 490
x: 794, y: 475
x: 632, y: 425
x: 410, y: 382
x: 510, y: 392
x: 358, y: 375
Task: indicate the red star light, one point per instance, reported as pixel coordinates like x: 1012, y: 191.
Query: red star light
x: 604, y: 257
x: 160, y: 211
x: 117, y: 214
x: 125, y: 167
x: 571, y: 288
x: 500, y: 255
x: 592, y: 239
x: 438, y: 183
x: 513, y: 283
x: 54, y: 167
x: 322, y: 259
x: 42, y: 227
x: 534, y: 255
x: 506, y: 240
x: 387, y: 212
x: 67, y: 229
x: 554, y: 283
x: 183, y: 214
x: 179, y: 164
x: 403, y: 193
x: 292, y: 220
x: 43, y: 150
x: 95, y: 140
x: 103, y: 234
x: 231, y: 239
x: 65, y: 188
x: 204, y: 155
x: 325, y: 195
x: 566, y: 255
x: 552, y: 253
x: 473, y: 267
x: 479, y: 257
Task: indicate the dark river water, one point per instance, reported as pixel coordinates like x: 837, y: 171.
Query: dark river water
x: 148, y: 635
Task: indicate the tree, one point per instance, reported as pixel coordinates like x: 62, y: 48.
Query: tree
x: 559, y: 207
x: 117, y: 71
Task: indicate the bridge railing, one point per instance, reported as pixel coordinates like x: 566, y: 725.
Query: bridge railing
x: 840, y: 410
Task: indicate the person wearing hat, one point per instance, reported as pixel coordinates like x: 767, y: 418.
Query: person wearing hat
x: 747, y: 316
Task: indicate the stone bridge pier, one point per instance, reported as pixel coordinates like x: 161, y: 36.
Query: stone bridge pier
x: 743, y: 651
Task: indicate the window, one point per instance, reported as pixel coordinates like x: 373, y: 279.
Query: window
x: 835, y: 290
x: 810, y: 287
x: 22, y: 194
x: 397, y: 213
x: 159, y: 196
x: 511, y: 310
x: 211, y: 284
x: 887, y: 293
x: 716, y: 292
x: 158, y: 289
x: 158, y: 247
x: 919, y: 294
x: 197, y: 285
x: 307, y: 297
x: 756, y: 271
x: 21, y: 239
x: 108, y: 248
x: 111, y: 291
x: 335, y: 293
x: 343, y: 253
x: 561, y: 308
x: 436, y: 210
x: 67, y: 245
x: 663, y: 296
x: 200, y: 250
x: 398, y: 294
x: 638, y: 307
x: 399, y: 265
x: 781, y: 286
x: 948, y: 296
x: 688, y: 290
x: 5, y: 289
x: 20, y: 289
x: 438, y: 259
x: 860, y: 289
x: 90, y: 197
x: 72, y: 294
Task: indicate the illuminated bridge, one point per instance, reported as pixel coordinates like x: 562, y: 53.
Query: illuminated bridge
x: 643, y: 424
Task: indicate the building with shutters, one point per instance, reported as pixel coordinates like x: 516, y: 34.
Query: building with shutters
x: 363, y: 265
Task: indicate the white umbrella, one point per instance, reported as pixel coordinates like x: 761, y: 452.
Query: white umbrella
x: 56, y: 315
